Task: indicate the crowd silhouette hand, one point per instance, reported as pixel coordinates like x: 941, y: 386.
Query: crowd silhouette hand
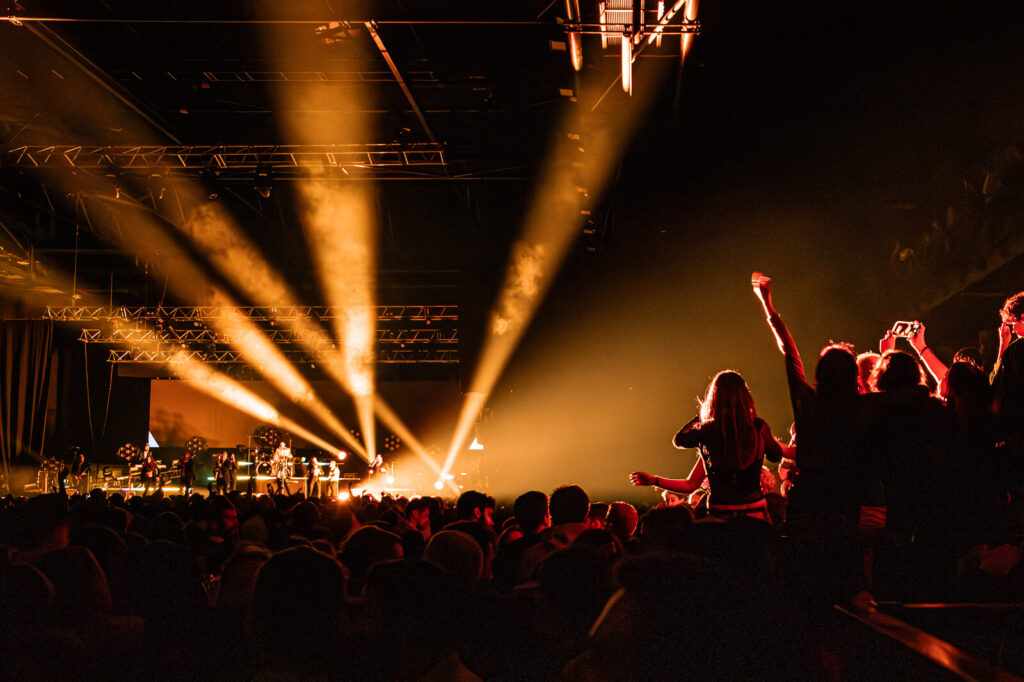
x: 917, y: 340
x: 762, y: 287
x: 887, y: 342
x: 639, y: 478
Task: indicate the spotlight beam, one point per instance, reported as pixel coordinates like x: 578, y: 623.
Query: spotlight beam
x: 221, y: 242
x: 341, y: 232
x: 572, y: 175
x: 337, y: 217
x: 151, y: 243
x: 392, y: 421
x: 145, y: 237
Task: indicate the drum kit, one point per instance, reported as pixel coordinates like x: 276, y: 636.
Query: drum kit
x: 276, y: 464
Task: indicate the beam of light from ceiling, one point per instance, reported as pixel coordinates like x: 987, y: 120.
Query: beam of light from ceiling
x: 392, y: 421
x: 235, y: 256
x: 338, y: 217
x: 230, y: 392
x: 151, y: 244
x: 251, y: 343
x: 341, y: 232
x: 262, y: 353
x: 219, y: 240
x: 586, y: 150
x: 142, y: 236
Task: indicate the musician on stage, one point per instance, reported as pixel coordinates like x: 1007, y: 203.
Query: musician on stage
x: 280, y: 464
x: 313, y: 478
x: 188, y: 474
x: 221, y: 471
x: 232, y: 473
x: 333, y: 479
x: 78, y: 473
x: 150, y: 471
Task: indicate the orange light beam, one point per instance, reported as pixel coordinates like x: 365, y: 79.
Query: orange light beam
x: 571, y: 176
x: 337, y: 217
x: 145, y: 237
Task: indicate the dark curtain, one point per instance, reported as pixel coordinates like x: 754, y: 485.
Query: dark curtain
x: 97, y: 409
x: 27, y: 348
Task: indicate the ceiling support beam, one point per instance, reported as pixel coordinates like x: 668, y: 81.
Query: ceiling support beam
x: 77, y: 59
x: 371, y: 27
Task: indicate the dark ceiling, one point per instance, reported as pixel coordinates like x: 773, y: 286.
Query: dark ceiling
x: 452, y: 107
x: 887, y: 117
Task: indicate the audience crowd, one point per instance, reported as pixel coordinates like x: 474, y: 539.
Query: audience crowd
x: 895, y: 486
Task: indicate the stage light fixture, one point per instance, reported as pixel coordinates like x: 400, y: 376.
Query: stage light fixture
x: 572, y: 10
x: 208, y: 177
x: 263, y: 181
x: 627, y: 64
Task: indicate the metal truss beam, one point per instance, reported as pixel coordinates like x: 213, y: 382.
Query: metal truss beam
x: 256, y: 76
x: 387, y: 313
x: 230, y: 357
x: 385, y: 337
x: 194, y: 159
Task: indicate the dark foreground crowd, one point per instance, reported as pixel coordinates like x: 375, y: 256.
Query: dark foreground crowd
x: 271, y: 588
x: 897, y: 489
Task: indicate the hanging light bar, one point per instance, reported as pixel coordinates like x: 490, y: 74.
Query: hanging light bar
x: 627, y: 64
x: 572, y: 9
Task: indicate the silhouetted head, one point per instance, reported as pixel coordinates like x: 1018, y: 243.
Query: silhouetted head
x: 836, y: 373
x: 728, y: 399
x: 866, y: 362
x: 475, y: 506
x: 296, y: 604
x: 531, y: 511
x: 569, y: 504
x: 967, y: 389
x: 896, y: 370
x: 622, y: 520
x: 458, y: 555
x: 1012, y: 313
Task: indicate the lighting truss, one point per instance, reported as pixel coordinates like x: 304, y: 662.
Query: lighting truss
x: 256, y: 76
x: 194, y: 159
x: 613, y: 30
x: 154, y: 335
x: 387, y: 313
x: 385, y: 337
x: 230, y: 357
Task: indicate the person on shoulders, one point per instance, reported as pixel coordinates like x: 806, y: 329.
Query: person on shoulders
x: 732, y: 443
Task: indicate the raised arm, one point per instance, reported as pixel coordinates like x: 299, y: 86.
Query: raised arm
x: 1005, y: 337
x: 677, y: 485
x: 931, y: 361
x: 887, y: 342
x: 794, y: 365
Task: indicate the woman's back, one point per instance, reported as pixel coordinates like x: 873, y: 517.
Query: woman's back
x: 733, y: 465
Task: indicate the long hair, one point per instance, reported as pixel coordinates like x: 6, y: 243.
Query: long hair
x: 729, y: 408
